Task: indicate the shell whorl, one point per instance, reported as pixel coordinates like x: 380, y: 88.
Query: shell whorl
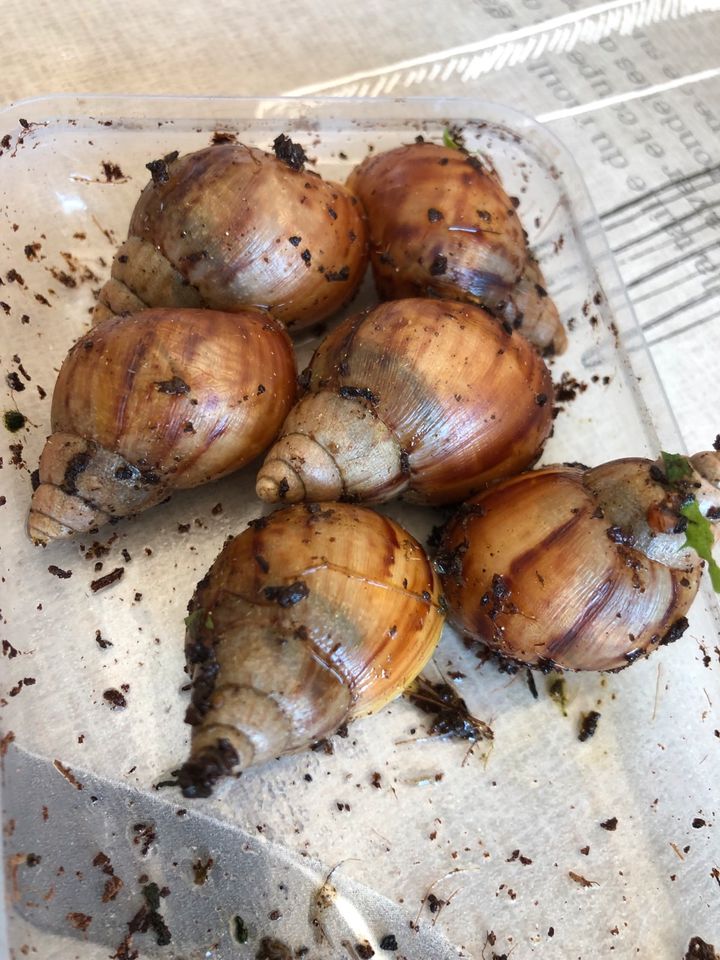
x: 158, y: 401
x: 572, y: 566
x: 308, y: 619
x: 332, y: 447
x: 427, y: 399
x: 442, y: 225
x: 142, y: 277
x: 229, y: 227
x: 83, y: 485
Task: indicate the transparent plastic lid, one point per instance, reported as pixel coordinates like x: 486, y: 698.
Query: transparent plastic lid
x: 537, y: 842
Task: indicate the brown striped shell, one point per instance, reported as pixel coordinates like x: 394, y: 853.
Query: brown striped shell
x: 442, y: 225
x: 574, y: 567
x: 310, y: 618
x: 426, y: 399
x: 156, y: 401
x: 231, y: 226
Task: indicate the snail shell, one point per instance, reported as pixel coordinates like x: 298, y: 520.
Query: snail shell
x: 308, y: 619
x: 231, y: 226
x: 424, y: 398
x: 442, y: 225
x: 585, y: 569
x: 156, y: 401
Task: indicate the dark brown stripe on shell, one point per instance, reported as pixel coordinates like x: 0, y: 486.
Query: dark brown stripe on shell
x: 557, y: 647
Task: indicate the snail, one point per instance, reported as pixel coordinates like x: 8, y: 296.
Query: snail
x: 426, y: 399
x: 585, y: 569
x: 231, y: 226
x: 442, y: 225
x: 310, y: 618
x: 157, y: 401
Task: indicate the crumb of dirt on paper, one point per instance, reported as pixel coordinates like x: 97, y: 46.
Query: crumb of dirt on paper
x: 568, y: 388
x: 557, y: 691
x: 577, y: 878
x: 14, y: 420
x: 68, y: 774
x: 435, y: 904
x: 59, y: 572
x: 98, y: 549
x: 290, y: 153
x: 107, y: 580
x: 24, y: 682
x: 223, y: 136
x: 610, y: 824
x: 148, y: 917
x: 521, y: 858
x: 116, y: 700
x: 112, y: 171
x: 201, y: 869
x: 144, y: 835
x: 698, y: 949
x: 588, y: 725
x: 273, y: 949
x: 113, y: 884
x: 9, y: 651
x: 159, y: 168
x: 16, y: 449
x: 112, y: 887
x: 101, y: 641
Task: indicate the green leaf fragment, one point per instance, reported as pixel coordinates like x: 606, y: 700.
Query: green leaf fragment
x: 448, y: 140
x: 557, y: 690
x: 240, y: 930
x: 676, y: 466
x: 699, y: 536
x: 192, y: 619
x: 199, y: 618
x: 151, y: 893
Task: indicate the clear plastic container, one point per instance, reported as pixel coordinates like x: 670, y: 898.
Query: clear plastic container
x: 503, y: 839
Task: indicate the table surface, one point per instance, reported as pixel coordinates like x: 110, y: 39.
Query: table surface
x: 632, y: 87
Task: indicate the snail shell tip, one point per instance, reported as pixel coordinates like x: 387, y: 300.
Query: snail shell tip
x: 298, y: 468
x: 277, y: 481
x: 56, y: 515
x: 41, y: 528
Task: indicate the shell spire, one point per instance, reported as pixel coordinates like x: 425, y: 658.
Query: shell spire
x: 427, y: 399
x: 583, y: 568
x: 231, y: 226
x: 154, y: 402
x: 442, y: 225
x: 308, y: 619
